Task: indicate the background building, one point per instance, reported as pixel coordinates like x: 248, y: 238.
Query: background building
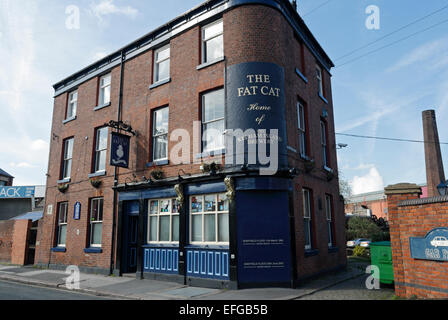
x: 225, y: 65
x: 5, y: 178
x: 373, y: 203
x: 18, y: 200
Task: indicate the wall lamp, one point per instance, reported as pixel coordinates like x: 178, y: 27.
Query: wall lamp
x: 442, y: 188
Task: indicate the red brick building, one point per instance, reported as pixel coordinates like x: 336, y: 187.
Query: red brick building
x: 224, y: 65
x: 420, y: 263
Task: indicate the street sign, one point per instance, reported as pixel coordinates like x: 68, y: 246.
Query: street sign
x: 16, y: 192
x: 434, y: 246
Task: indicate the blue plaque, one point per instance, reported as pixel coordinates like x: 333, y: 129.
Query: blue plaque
x: 119, y: 153
x: 434, y: 246
x: 77, y: 211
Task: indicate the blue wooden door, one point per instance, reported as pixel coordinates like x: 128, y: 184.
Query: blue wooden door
x: 130, y: 237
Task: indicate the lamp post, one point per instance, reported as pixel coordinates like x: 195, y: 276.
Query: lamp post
x: 442, y: 187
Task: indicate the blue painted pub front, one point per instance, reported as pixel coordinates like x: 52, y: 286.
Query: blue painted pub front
x: 228, y: 232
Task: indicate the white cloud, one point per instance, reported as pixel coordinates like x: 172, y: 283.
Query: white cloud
x: 107, y: 7
x: 99, y: 55
x: 428, y: 51
x: 374, y: 116
x: 361, y: 166
x: 22, y: 165
x: 39, y: 145
x: 370, y: 182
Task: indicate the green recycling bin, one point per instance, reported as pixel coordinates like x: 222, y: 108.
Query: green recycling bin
x: 381, y: 256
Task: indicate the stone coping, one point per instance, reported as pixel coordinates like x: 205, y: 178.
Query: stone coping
x: 403, y: 188
x: 422, y: 201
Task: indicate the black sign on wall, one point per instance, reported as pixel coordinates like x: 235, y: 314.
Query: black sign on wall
x: 119, y: 153
x: 255, y: 101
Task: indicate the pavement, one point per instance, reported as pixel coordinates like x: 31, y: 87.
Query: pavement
x: 135, y: 289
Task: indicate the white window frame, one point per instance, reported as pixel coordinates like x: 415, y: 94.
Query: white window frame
x: 329, y: 213
x: 307, y: 217
x: 72, y: 104
x: 157, y: 135
x: 99, y: 151
x: 95, y: 222
x: 205, y: 123
x: 323, y: 133
x: 102, y: 88
x: 205, y: 40
x: 320, y: 81
x: 203, y: 213
x: 61, y: 224
x: 159, y: 214
x: 67, y: 158
x: 157, y: 62
x: 302, y: 129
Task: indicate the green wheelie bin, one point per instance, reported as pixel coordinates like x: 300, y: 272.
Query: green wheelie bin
x: 381, y: 256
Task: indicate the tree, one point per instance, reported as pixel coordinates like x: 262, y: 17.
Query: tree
x: 344, y: 187
x: 364, y: 227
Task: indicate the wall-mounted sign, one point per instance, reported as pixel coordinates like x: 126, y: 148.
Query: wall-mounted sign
x: 119, y: 153
x: 77, y: 211
x: 256, y: 101
x: 16, y: 192
x: 50, y: 210
x: 264, y: 252
x: 434, y: 246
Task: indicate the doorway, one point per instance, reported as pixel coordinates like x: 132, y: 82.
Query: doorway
x: 130, y: 236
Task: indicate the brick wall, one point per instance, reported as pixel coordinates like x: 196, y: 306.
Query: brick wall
x: 13, y: 241
x: 6, y: 238
x: 20, y: 241
x: 422, y: 278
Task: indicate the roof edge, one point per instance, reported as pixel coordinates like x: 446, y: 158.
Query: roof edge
x: 181, y: 20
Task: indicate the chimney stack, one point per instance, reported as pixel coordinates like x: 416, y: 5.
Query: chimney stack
x: 294, y: 4
x: 433, y: 157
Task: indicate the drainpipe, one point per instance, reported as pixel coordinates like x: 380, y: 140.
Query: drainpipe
x: 114, y: 217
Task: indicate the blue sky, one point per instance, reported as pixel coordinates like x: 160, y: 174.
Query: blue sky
x: 382, y: 94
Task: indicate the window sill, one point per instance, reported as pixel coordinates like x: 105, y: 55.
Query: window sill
x: 211, y: 153
x: 305, y: 157
x: 101, y: 107
x: 161, y: 245
x: 67, y: 180
x: 59, y: 249
x: 323, y: 99
x: 93, y: 250
x: 69, y: 120
x: 301, y: 75
x: 158, y: 163
x: 311, y: 252
x: 97, y: 174
x: 207, y: 64
x: 333, y: 249
x: 159, y: 83
x: 292, y: 149
x: 207, y: 246
x: 329, y: 170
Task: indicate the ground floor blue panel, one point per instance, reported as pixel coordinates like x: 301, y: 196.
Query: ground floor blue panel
x: 207, y: 263
x: 161, y: 260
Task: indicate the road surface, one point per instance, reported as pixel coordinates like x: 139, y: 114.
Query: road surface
x: 17, y: 291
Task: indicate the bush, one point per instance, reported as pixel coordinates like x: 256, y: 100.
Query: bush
x: 361, y: 227
x: 360, y: 252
